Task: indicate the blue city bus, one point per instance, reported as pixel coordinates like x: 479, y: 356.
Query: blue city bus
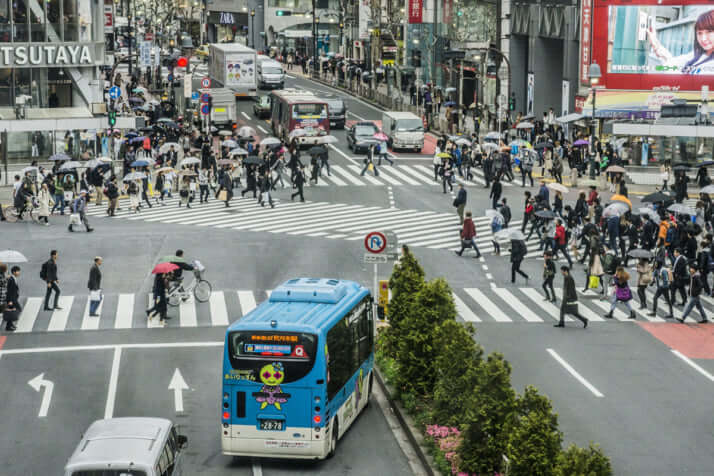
x: 297, y: 370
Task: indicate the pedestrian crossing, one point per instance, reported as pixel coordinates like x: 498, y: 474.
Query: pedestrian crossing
x: 350, y: 222
x: 505, y: 304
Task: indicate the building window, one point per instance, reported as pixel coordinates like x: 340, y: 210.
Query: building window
x: 19, y: 19
x: 71, y: 20
x: 54, y: 22
x: 6, y: 88
x: 37, y: 26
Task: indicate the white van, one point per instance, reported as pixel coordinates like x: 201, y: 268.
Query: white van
x: 128, y: 447
x: 404, y: 129
x: 270, y: 73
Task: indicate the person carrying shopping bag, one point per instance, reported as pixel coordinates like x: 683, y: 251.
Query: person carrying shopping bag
x: 622, y: 292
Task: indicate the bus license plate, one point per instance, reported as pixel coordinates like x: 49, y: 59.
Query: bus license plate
x: 272, y: 425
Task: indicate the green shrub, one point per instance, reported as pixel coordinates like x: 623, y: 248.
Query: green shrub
x: 485, y: 437
x: 416, y: 349
x: 457, y: 369
x: 576, y: 461
x: 533, y: 436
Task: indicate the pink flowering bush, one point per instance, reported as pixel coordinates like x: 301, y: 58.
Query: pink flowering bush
x: 446, y: 442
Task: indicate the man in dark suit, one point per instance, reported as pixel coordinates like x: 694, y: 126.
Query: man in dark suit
x: 569, y: 305
x: 49, y: 275
x: 95, y: 285
x: 681, y: 276
x: 13, y: 308
x: 460, y: 202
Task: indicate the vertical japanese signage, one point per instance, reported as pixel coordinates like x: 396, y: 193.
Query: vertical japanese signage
x: 108, y: 17
x: 365, y: 12
x: 448, y: 11
x: 531, y: 92
x: 415, y: 11
x: 586, y: 15
x: 565, y: 103
x: 145, y: 54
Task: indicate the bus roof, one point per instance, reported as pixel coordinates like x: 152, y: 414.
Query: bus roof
x: 293, y: 96
x: 303, y: 305
x: 120, y: 441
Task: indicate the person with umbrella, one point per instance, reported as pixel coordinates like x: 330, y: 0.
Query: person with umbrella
x: 250, y: 181
x: 13, y: 307
x: 680, y: 185
x: 570, y: 300
x: 298, y: 182
x: 225, y: 189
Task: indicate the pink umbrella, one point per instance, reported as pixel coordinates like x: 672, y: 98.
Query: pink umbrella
x: 162, y: 268
x: 380, y: 136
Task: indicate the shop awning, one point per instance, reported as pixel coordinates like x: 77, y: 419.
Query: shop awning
x: 569, y: 118
x: 295, y: 33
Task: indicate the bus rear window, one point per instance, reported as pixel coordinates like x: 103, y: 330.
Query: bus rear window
x: 251, y: 351
x: 109, y: 472
x: 309, y: 111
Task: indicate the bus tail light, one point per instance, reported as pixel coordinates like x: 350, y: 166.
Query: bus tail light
x: 317, y: 419
x: 226, y: 415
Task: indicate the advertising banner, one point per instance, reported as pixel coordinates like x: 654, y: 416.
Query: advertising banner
x: 651, y: 44
x: 531, y: 91
x: 565, y: 103
x: 145, y: 54
x: 415, y: 11
x: 364, y: 17
x: 240, y: 69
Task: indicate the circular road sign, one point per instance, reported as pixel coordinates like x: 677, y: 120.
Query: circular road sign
x: 205, y: 109
x: 206, y: 82
x: 205, y: 97
x: 114, y: 92
x: 375, y: 242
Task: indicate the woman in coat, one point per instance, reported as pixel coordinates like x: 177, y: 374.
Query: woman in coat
x: 134, y: 192
x: 594, y: 268
x: 160, y: 301
x: 518, y: 253
x: 226, y: 185
x: 45, y: 200
x: 185, y: 191
x: 622, y: 292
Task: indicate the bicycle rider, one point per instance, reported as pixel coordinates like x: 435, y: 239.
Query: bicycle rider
x: 177, y: 278
x: 23, y: 194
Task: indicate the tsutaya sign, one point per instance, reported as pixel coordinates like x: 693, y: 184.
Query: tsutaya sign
x: 47, y: 54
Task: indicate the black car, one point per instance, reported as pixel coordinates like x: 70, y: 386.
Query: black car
x: 361, y: 135
x: 337, y: 109
x: 261, y: 108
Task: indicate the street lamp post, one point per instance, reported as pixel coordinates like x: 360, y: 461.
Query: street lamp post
x: 252, y: 27
x: 594, y: 74
x: 315, y: 66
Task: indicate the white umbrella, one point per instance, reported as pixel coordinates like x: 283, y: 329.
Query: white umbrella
x: 462, y: 141
x: 134, y: 176
x: 615, y: 209
x: 524, y: 125
x: 238, y: 151
x: 557, y: 187
x: 29, y: 169
x: 330, y: 140
x: 681, y: 209
x: 229, y: 143
x: 707, y: 189
x: 270, y: 141
x: 490, y: 213
x: 225, y: 133
x: 297, y: 133
x: 98, y: 161
x: 493, y: 135
x: 189, y: 161
x: 165, y: 147
x: 12, y: 256
x: 510, y: 234
x: 246, y: 131
x: 489, y: 146
x: 651, y: 213
x: 72, y: 164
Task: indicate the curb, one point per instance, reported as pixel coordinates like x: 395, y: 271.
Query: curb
x: 414, y: 436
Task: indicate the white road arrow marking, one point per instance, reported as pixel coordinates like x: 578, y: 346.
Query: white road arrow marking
x: 37, y: 383
x: 178, y: 385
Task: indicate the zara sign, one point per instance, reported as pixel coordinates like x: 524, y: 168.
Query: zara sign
x: 46, y: 54
x: 227, y: 18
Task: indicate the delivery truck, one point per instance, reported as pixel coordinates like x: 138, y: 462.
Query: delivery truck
x: 233, y: 66
x: 223, y: 107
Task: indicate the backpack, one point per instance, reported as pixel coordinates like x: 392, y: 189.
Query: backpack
x: 609, y: 263
x: 43, y: 271
x: 132, y: 188
x: 669, y: 237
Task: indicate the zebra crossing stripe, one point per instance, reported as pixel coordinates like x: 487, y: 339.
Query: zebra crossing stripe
x: 517, y: 305
x: 58, y: 321
x: 333, y: 213
x: 547, y: 306
x: 394, y: 170
x: 404, y: 216
x: 29, y: 313
x: 125, y: 312
x: 91, y: 322
x: 187, y: 313
x: 373, y: 180
x: 487, y: 305
x: 219, y: 313
x: 619, y: 314
x: 428, y: 179
x: 335, y: 179
x: 246, y: 301
x: 463, y: 310
x: 329, y: 222
x: 388, y: 178
x: 347, y: 175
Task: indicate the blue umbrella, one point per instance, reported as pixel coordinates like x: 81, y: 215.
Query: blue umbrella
x: 131, y: 134
x: 140, y: 163
x: 59, y: 156
x: 449, y: 103
x: 137, y: 139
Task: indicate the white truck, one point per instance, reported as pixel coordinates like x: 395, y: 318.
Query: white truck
x: 223, y: 107
x: 270, y: 73
x: 404, y: 130
x: 233, y: 66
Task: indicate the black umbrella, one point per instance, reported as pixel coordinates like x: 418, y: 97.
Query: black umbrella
x: 547, y: 214
x: 708, y: 163
x: 656, y: 197
x: 316, y: 150
x: 252, y: 160
x: 640, y: 253
x: 543, y: 145
x: 680, y: 168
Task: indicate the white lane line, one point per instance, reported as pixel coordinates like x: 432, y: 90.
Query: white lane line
x: 288, y: 76
x: 29, y: 314
x: 113, y: 379
x: 489, y: 276
x: 345, y: 173
x: 257, y: 468
x: 547, y: 306
x: 517, y: 305
x: 90, y: 322
x: 356, y: 169
x: 58, y: 321
x: 337, y: 180
x: 261, y: 129
x: 428, y: 179
x: 692, y: 364
x: 187, y: 313
x: 349, y: 159
x: 245, y: 115
x: 386, y: 170
x: 493, y: 310
x: 125, y: 312
x: 217, y: 304
x: 575, y: 373
x: 358, y: 117
x: 247, y: 301
x: 463, y: 310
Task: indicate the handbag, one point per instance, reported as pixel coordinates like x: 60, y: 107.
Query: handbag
x: 570, y: 307
x: 95, y: 295
x: 223, y: 196
x: 466, y: 243
x: 68, y: 196
x: 623, y: 294
x: 594, y: 282
x: 75, y: 219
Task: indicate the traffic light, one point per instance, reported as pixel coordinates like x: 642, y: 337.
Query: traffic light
x: 460, y: 13
x: 210, y: 103
x: 512, y: 102
x: 112, y: 118
x: 182, y: 62
x: 283, y: 13
x: 416, y: 58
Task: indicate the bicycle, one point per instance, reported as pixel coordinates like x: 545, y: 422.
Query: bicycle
x: 199, y: 287
x: 12, y: 213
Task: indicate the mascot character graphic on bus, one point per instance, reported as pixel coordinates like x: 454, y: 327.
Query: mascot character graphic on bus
x: 272, y: 375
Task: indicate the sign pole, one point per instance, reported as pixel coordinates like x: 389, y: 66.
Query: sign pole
x: 376, y: 293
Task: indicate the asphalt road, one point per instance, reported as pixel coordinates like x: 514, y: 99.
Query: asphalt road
x: 640, y: 389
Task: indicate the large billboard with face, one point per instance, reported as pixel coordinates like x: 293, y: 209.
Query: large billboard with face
x: 654, y: 44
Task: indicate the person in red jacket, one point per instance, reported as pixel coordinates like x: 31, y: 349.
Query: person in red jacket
x: 468, y: 236
x: 561, y: 242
